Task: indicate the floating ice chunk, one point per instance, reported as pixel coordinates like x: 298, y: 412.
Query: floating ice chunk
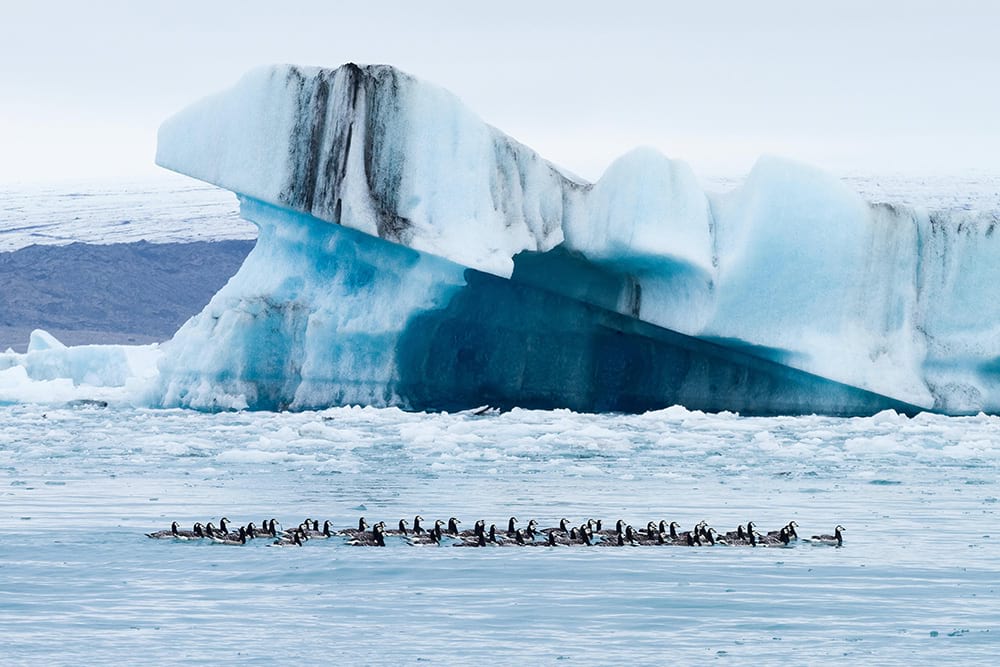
x: 52, y: 372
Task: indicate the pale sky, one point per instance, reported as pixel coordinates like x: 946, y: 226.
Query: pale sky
x: 899, y: 86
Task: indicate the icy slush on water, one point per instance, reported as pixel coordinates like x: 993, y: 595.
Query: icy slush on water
x: 915, y: 583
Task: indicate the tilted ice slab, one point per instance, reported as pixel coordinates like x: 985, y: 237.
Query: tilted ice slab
x: 791, y: 266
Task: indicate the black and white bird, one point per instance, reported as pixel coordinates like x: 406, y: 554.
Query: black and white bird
x: 227, y: 538
x: 166, y: 534
x: 835, y: 540
x: 376, y: 538
x: 350, y: 532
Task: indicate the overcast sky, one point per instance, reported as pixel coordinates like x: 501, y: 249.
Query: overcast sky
x: 853, y: 86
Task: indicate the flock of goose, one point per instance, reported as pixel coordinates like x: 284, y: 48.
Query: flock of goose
x: 443, y: 533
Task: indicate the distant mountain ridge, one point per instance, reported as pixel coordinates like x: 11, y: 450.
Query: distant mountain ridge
x: 127, y: 292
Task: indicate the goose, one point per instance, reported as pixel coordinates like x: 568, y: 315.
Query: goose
x: 791, y: 530
x: 268, y: 528
x: 739, y: 536
x: 315, y: 532
x: 477, y: 541
x: 166, y: 534
x: 306, y: 525
x: 472, y: 537
x: 350, y: 532
x: 478, y: 529
x: 651, y: 529
x: 241, y: 537
x: 775, y: 538
x: 786, y: 531
x: 426, y: 538
x: 197, y: 532
x: 837, y: 539
x: 619, y: 529
x: 702, y: 529
x: 563, y: 528
x: 375, y: 539
x: 293, y: 540
x: 272, y: 528
x: 401, y: 529
x: 673, y: 531
x: 616, y: 541
x: 710, y: 535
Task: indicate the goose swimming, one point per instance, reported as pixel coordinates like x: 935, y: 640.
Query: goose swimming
x: 529, y: 532
x: 776, y: 538
x: 837, y: 539
x: 294, y: 540
x: 166, y: 534
x: 426, y: 538
x: 316, y: 533
x: 267, y: 529
x: 790, y: 529
x: 618, y: 530
x: 350, y: 532
x: 197, y: 532
x: 563, y: 528
x: 478, y: 540
x: 375, y: 539
x: 478, y: 529
x: 240, y: 539
x: 401, y: 529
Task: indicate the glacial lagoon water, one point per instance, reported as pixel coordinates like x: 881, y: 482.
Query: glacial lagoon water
x: 917, y: 581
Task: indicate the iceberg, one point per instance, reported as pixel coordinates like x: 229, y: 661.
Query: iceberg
x: 410, y: 254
